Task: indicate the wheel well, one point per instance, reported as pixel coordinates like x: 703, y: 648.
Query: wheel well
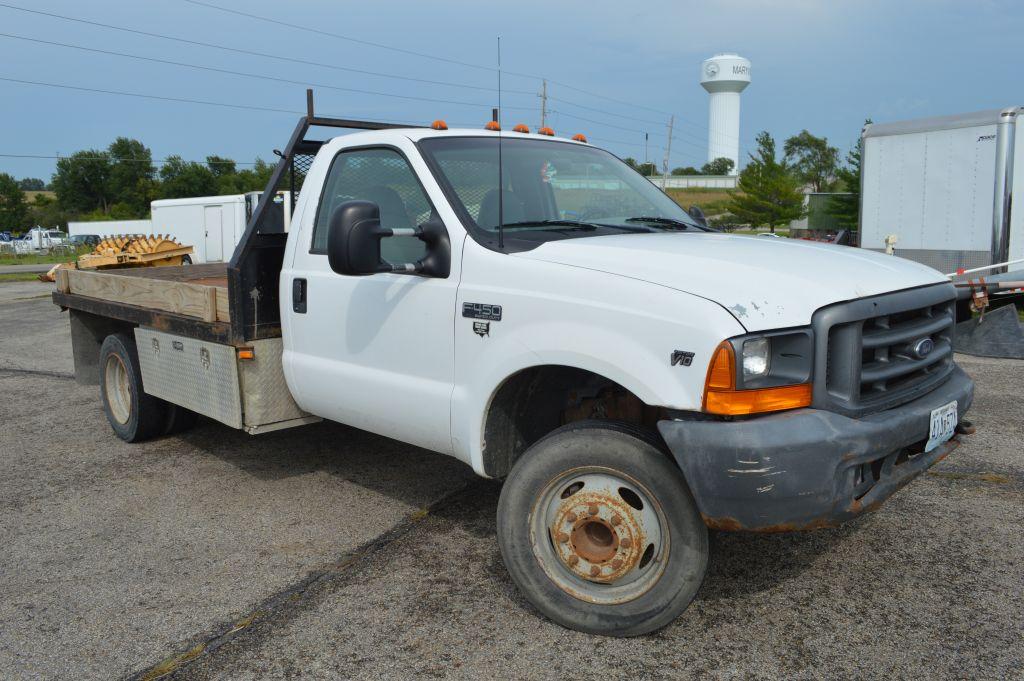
x: 88, y: 331
x: 535, y: 401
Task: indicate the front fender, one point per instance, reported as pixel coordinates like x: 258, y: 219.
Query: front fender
x: 620, y: 328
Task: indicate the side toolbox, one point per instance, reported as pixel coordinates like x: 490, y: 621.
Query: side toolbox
x: 212, y: 379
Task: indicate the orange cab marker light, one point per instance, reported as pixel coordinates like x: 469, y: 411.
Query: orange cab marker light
x: 721, y: 396
x: 579, y: 137
x: 520, y: 128
x: 439, y: 125
x: 492, y: 125
x: 546, y: 131
x: 246, y: 353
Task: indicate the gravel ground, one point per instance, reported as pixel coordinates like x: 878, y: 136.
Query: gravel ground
x: 218, y: 555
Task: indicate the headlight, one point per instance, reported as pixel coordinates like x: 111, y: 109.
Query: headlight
x: 773, y: 373
x: 755, y: 358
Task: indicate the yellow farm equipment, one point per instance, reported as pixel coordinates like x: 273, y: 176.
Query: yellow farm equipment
x: 129, y: 250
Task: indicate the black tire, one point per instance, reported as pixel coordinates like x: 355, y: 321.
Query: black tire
x: 637, y: 456
x: 186, y: 260
x: 179, y: 419
x: 134, y: 415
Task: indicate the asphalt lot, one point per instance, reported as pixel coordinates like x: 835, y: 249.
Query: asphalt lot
x: 309, y: 554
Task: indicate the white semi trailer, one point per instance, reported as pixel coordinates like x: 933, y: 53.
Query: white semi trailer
x: 941, y: 188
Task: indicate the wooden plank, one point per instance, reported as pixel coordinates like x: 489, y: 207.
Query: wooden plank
x: 63, y: 283
x: 155, y: 319
x: 182, y: 298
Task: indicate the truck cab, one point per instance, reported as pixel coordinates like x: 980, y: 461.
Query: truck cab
x: 534, y: 307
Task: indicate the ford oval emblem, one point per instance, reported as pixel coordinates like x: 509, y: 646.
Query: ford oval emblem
x: 923, y: 347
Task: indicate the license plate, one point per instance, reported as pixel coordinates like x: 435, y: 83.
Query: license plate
x: 943, y: 425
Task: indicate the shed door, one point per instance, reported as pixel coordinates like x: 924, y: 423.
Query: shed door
x: 214, y: 233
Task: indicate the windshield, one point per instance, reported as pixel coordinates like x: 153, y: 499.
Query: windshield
x: 552, y: 190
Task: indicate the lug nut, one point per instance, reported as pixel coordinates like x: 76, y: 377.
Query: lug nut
x: 573, y: 559
x: 562, y: 537
x: 617, y: 563
x: 571, y: 517
x: 616, y: 520
x: 593, y: 509
x: 626, y: 542
x: 595, y: 571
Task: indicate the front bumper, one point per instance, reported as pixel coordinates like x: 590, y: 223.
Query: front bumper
x: 808, y: 468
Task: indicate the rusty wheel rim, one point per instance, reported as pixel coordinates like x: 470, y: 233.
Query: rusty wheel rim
x: 600, y: 535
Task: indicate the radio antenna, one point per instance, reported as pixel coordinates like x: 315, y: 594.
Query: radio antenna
x: 501, y: 181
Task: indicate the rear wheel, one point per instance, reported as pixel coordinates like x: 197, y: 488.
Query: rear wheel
x: 600, y: 532
x: 133, y: 414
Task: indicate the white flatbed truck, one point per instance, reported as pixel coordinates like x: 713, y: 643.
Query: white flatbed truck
x: 634, y: 378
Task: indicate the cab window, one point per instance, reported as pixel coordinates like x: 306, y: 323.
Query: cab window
x: 384, y: 177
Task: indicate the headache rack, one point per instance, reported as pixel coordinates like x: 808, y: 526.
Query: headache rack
x: 252, y: 273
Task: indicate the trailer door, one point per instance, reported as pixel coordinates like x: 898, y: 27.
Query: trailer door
x: 213, y: 220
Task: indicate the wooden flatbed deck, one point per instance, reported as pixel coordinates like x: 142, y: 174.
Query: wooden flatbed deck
x: 190, y: 300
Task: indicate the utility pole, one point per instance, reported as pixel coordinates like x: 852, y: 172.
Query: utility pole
x: 646, y: 158
x: 543, y: 103
x: 668, y: 152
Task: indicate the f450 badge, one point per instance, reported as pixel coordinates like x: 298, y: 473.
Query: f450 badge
x: 485, y: 311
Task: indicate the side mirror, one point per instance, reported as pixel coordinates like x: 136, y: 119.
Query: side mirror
x: 353, y: 238
x: 353, y: 243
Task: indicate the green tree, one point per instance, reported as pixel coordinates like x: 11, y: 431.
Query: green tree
x: 720, y: 166
x: 769, y: 192
x: 47, y: 212
x: 183, y: 179
x: 255, y: 179
x: 846, y: 207
x: 32, y: 184
x: 132, y: 184
x: 13, y: 211
x: 685, y: 170
x: 82, y: 181
x: 814, y: 160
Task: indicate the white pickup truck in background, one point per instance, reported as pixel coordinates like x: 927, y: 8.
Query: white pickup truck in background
x: 556, y: 321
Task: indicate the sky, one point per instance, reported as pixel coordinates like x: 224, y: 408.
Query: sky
x: 615, y: 70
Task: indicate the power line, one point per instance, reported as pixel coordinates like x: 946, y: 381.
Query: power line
x: 243, y: 73
x: 159, y: 97
x: 115, y: 159
x: 325, y: 65
x: 253, y: 53
x: 359, y: 41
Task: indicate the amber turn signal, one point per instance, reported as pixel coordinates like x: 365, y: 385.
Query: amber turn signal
x: 439, y: 125
x: 740, y: 402
x: 246, y: 353
x: 721, y: 396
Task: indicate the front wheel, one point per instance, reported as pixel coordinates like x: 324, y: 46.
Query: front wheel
x: 600, y: 532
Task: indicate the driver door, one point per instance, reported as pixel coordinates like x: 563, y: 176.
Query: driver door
x: 375, y: 352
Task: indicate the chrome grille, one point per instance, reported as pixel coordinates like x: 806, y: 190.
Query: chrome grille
x: 865, y: 349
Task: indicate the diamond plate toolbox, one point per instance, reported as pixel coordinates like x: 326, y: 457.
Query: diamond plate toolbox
x: 191, y: 373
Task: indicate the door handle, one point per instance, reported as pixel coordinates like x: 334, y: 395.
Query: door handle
x: 299, y: 296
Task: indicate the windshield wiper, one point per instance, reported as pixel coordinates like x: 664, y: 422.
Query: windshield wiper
x: 666, y: 222
x: 571, y: 224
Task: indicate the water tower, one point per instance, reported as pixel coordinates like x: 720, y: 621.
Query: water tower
x: 724, y: 76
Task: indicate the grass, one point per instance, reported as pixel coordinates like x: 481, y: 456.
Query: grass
x: 711, y: 201
x: 42, y: 258
x: 19, y: 276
